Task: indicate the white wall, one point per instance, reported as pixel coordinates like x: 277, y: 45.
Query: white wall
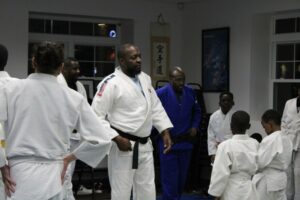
x: 14, y: 24
x: 249, y: 58
x: 247, y: 20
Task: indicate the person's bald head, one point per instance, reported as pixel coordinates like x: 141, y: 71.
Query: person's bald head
x: 3, y: 57
x: 177, y: 79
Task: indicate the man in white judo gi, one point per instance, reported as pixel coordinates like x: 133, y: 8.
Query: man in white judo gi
x: 69, y: 77
x: 290, y: 125
x: 235, y: 163
x: 126, y: 101
x: 219, y: 124
x: 39, y: 116
x: 4, y: 78
x: 274, y: 157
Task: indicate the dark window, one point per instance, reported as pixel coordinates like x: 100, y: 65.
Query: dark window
x: 85, y: 53
x: 285, y: 25
x: 285, y: 52
x: 284, y: 70
x: 36, y: 25
x: 48, y: 25
x: 297, y: 70
x: 284, y: 92
x: 297, y: 52
x: 105, y: 53
x: 298, y: 25
x: 104, y: 69
x: 87, y: 69
x: 105, y: 30
x: 81, y: 28
x: 60, y: 27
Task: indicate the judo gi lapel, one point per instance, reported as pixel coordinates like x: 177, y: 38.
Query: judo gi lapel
x: 130, y: 86
x: 146, y: 87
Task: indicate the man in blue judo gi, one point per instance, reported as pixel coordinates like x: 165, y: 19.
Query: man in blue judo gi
x: 184, y: 112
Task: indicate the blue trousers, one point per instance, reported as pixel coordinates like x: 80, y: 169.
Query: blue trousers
x: 174, y: 168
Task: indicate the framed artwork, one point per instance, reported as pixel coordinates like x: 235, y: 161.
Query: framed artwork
x: 89, y: 87
x: 160, y: 50
x: 215, y: 60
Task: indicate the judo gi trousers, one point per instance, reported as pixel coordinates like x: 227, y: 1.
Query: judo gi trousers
x: 67, y: 186
x: 2, y: 191
x: 264, y: 194
x: 123, y: 178
x: 293, y: 177
x: 173, y: 171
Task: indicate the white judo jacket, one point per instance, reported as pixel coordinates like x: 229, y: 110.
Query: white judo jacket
x: 290, y: 122
x: 234, y: 165
x: 80, y: 89
x: 4, y: 78
x: 218, y: 130
x: 274, y: 157
x: 120, y: 103
x: 39, y: 115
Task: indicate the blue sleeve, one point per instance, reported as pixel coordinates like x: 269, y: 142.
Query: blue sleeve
x: 196, y: 113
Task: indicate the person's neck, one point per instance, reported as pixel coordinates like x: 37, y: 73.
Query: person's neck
x: 277, y: 128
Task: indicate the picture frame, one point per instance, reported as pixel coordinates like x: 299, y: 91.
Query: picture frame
x: 160, y: 59
x: 215, y: 59
x: 89, y: 87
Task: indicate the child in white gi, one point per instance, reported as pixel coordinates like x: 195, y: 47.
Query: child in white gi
x: 274, y: 156
x: 235, y: 163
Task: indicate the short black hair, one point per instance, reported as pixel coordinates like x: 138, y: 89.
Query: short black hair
x: 48, y: 56
x: 226, y: 93
x: 68, y: 61
x: 240, y: 121
x: 122, y: 49
x: 272, y: 115
x: 257, y: 137
x: 3, y: 57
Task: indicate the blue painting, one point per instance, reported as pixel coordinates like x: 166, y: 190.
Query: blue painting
x: 215, y: 60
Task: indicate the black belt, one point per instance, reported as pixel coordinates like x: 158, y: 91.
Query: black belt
x: 142, y: 140
x: 184, y: 138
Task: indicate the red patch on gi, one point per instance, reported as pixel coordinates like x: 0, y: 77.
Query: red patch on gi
x: 102, y: 88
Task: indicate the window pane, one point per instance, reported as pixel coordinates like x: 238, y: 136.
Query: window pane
x: 284, y: 92
x: 81, y: 28
x: 105, y: 53
x: 297, y: 52
x: 297, y: 70
x: 60, y: 27
x: 84, y: 53
x: 298, y: 24
x: 48, y: 26
x: 36, y: 26
x: 86, y: 69
x: 285, y: 25
x: 104, y: 69
x: 285, y: 52
x: 284, y: 70
x: 106, y: 30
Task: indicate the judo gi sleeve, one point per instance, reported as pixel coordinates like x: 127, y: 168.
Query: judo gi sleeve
x: 96, y: 137
x: 221, y: 172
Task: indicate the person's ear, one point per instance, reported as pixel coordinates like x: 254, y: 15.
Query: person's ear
x: 59, y: 69
x: 249, y: 125
x: 121, y: 61
x: 34, y: 64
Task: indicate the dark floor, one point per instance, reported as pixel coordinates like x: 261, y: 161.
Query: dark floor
x: 106, y: 196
